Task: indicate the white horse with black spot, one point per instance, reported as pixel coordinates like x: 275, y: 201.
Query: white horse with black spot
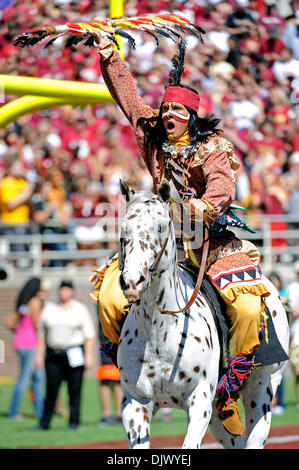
x: 173, y: 360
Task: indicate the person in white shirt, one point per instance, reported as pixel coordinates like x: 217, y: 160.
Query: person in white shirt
x: 286, y: 66
x: 243, y: 109
x: 65, y: 344
x: 291, y: 36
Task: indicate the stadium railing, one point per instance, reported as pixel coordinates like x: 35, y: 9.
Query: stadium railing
x: 42, y: 252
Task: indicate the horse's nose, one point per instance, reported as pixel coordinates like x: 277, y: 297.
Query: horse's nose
x: 130, y: 287
x: 123, y: 284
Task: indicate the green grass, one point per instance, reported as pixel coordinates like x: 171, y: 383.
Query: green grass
x: 18, y: 434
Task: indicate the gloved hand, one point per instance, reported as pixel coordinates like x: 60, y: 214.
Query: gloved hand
x: 105, y: 46
x: 199, y: 205
x: 200, y: 210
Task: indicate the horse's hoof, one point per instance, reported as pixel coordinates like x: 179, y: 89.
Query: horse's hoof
x: 229, y: 413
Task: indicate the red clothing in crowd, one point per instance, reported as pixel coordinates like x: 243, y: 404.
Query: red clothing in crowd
x: 279, y: 115
x: 295, y: 141
x: 267, y: 75
x: 274, y: 206
x: 268, y: 21
x: 275, y: 46
x: 83, y: 206
x: 267, y: 144
x: 268, y: 46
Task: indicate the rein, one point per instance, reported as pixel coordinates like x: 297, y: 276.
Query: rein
x: 206, y: 244
x: 157, y: 259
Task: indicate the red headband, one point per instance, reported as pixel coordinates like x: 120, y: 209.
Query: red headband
x: 183, y: 96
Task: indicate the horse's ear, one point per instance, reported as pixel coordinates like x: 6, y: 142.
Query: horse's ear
x: 164, y: 191
x: 125, y: 190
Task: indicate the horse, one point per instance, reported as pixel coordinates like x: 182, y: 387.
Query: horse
x: 169, y: 360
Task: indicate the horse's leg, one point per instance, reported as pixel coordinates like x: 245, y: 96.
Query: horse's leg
x: 199, y: 410
x: 258, y: 395
x: 226, y: 439
x: 136, y: 420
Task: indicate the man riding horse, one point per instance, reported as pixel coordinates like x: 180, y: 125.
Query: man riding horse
x: 190, y: 153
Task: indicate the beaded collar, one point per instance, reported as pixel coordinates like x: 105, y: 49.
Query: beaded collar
x: 185, y: 150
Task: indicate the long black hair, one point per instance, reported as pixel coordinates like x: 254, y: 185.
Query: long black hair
x: 199, y: 128
x: 28, y: 291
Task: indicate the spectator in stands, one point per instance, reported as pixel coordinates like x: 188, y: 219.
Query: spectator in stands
x: 280, y: 110
x: 271, y: 21
x: 43, y: 209
x: 241, y: 21
x: 292, y: 179
x: 65, y: 345
x: 271, y: 46
x: 293, y: 185
x: 15, y: 205
x: 60, y: 210
x: 87, y: 232
x: 286, y: 66
x: 57, y: 196
x: 293, y: 135
x: 243, y: 109
x: 266, y: 140
x: 276, y: 200
x: 43, y: 212
x: 29, y: 305
x: 291, y: 36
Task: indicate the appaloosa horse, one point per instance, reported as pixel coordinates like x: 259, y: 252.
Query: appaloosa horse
x: 173, y: 360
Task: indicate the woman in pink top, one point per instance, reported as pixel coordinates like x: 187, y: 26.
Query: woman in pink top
x: 29, y: 305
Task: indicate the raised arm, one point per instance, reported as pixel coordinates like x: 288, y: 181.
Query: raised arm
x: 121, y: 85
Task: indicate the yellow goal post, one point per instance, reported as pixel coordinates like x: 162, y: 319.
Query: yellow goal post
x: 36, y: 94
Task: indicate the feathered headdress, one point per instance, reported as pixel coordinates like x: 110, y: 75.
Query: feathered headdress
x: 177, y: 65
x: 175, y: 90
x: 167, y: 25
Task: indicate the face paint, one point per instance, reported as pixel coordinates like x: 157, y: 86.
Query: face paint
x: 177, y: 116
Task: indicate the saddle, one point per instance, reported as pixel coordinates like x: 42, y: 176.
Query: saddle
x: 268, y: 352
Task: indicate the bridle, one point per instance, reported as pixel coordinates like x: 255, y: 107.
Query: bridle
x: 158, y: 256
x: 156, y: 261
x: 206, y: 242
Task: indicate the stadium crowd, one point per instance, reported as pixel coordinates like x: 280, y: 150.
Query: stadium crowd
x: 247, y: 73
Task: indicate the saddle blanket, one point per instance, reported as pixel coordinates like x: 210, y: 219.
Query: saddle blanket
x: 268, y: 353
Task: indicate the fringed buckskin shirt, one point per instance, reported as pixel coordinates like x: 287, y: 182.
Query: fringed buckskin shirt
x: 211, y: 170
x: 211, y: 175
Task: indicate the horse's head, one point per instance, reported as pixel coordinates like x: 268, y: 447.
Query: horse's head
x: 147, y: 244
